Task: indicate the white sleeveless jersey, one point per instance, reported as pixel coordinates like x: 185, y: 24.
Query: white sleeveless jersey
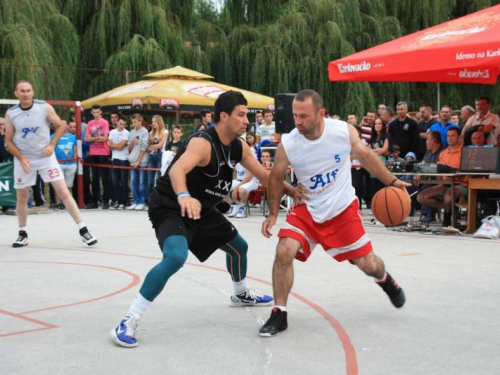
x: 32, y: 132
x: 323, y: 166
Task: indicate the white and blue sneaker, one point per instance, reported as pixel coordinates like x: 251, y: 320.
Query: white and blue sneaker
x: 250, y: 298
x: 124, y: 333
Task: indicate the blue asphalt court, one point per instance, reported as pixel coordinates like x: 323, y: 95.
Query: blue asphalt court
x: 60, y: 298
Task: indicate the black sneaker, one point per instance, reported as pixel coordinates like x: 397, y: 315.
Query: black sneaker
x: 394, y: 291
x: 105, y: 206
x: 91, y: 206
x: 22, y: 239
x: 275, y: 324
x: 87, y: 237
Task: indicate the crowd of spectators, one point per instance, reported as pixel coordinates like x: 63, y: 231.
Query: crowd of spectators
x: 135, y: 152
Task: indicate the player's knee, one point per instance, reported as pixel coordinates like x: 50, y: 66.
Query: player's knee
x: 368, y: 264
x: 176, y: 258
x: 23, y: 195
x: 284, y: 253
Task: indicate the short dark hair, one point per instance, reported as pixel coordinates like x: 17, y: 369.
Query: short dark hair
x: 436, y: 136
x: 426, y: 106
x: 205, y: 113
x: 115, y: 113
x: 178, y: 127
x: 96, y: 106
x: 226, y: 102
x: 371, y: 111
x: 259, y: 111
x: 446, y: 106
x: 484, y: 98
x: 454, y: 129
x: 121, y: 118
x: 315, y: 97
x: 267, y: 111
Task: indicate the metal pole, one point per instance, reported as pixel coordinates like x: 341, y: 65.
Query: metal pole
x: 46, y: 82
x: 79, y: 181
x: 438, y: 97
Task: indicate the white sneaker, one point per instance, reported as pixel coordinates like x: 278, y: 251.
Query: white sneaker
x: 140, y: 207
x: 131, y: 207
x: 233, y: 211
x: 241, y: 212
x: 121, y: 207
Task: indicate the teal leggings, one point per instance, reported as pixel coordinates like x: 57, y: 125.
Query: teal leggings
x: 175, y: 252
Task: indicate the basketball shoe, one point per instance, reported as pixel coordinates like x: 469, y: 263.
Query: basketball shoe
x: 250, y: 297
x: 124, y: 333
x: 276, y: 323
x: 87, y: 237
x: 22, y: 239
x: 393, y: 290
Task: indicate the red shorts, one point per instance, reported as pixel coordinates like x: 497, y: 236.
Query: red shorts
x: 343, y: 237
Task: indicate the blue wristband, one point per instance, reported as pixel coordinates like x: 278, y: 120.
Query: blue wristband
x: 183, y: 194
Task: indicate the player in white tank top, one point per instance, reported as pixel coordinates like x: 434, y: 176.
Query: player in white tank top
x: 318, y: 151
x: 28, y: 140
x: 327, y: 180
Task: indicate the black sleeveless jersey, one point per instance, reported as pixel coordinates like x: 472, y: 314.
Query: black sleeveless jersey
x: 209, y: 184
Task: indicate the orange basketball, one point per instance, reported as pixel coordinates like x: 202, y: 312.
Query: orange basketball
x: 391, y: 205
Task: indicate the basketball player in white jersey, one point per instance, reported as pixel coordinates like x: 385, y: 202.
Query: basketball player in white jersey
x: 28, y: 140
x: 330, y: 215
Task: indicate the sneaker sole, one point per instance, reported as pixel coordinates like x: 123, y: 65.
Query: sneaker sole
x: 90, y: 243
x: 121, y: 343
x: 242, y: 304
x: 18, y: 245
x: 264, y: 334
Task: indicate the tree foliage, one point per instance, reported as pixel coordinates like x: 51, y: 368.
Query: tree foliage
x: 268, y: 46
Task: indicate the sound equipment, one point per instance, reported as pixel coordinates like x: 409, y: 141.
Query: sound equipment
x: 480, y: 159
x: 283, y: 115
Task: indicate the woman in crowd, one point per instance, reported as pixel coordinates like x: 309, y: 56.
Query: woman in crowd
x: 379, y: 143
x: 252, y: 142
x: 157, y: 139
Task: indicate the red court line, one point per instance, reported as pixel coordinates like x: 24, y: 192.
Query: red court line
x: 135, y: 280
x: 350, y: 352
x: 27, y: 319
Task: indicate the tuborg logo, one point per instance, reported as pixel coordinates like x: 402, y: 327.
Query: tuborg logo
x: 351, y: 68
x: 471, y: 74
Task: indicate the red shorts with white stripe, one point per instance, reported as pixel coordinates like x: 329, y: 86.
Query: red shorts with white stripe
x: 343, y: 237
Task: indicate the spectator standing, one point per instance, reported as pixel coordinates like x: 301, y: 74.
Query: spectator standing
x: 483, y: 121
x: 115, y: 117
x: 424, y: 126
x: 206, y: 119
x: 176, y: 142
x: 117, y: 142
x: 367, y: 125
x: 465, y: 113
x: 157, y: 139
x: 404, y: 130
x: 444, y: 125
x: 138, y: 158
x: 352, y: 119
x: 3, y: 151
x: 380, y: 109
x: 259, y: 120
x: 66, y: 149
x: 267, y: 130
x: 379, y: 143
x: 97, y: 135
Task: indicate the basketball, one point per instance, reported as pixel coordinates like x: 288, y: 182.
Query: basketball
x: 391, y: 206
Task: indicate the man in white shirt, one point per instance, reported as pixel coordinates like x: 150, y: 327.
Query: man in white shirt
x: 117, y: 142
x: 267, y: 130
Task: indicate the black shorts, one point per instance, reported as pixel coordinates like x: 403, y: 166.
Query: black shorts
x: 203, y: 236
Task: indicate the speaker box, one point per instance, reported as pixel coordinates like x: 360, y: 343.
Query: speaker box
x: 283, y: 114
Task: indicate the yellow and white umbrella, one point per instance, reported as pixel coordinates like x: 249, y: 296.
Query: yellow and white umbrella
x: 175, y: 89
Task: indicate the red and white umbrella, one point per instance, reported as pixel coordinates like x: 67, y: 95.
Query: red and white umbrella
x: 465, y: 50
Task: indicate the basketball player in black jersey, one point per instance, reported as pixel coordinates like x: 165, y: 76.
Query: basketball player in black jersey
x: 182, y: 210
